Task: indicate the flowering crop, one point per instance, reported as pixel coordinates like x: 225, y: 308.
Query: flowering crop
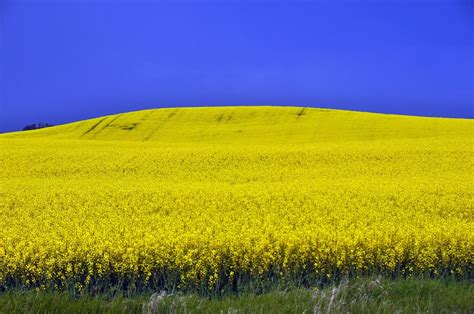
x: 227, y: 200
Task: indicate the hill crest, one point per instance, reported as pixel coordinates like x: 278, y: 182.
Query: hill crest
x: 251, y: 125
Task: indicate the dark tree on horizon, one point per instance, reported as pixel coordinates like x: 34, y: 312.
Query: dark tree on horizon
x: 35, y: 126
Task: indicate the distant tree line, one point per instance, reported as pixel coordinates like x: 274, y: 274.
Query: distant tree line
x: 35, y: 126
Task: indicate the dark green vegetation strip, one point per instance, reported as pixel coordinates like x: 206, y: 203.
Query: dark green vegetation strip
x: 363, y: 295
x: 94, y: 126
x: 111, y: 121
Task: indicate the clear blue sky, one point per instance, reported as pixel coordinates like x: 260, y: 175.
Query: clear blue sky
x: 68, y: 60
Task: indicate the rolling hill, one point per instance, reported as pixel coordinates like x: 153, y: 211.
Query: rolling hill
x: 257, y: 125
x: 224, y: 199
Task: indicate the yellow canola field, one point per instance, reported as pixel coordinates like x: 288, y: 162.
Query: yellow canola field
x: 218, y: 203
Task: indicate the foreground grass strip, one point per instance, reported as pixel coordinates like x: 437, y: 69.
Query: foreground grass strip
x: 368, y: 295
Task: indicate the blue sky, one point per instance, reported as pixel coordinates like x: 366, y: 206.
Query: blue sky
x: 62, y: 61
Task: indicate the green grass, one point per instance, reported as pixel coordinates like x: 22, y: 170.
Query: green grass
x: 363, y: 295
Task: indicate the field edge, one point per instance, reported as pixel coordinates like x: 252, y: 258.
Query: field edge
x: 366, y: 294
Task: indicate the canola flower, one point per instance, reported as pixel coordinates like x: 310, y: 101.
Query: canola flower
x: 216, y: 197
